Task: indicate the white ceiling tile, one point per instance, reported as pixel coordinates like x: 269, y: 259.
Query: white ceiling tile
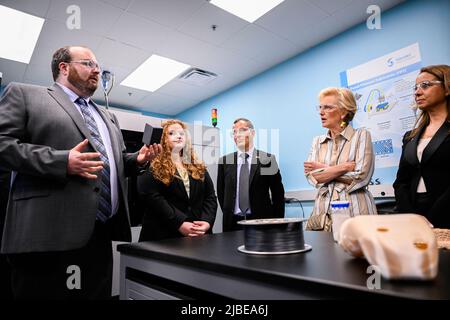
x: 43, y: 52
x: 125, y: 95
x: 205, y: 56
x: 325, y: 30
x: 347, y: 17
x: 95, y: 16
x: 180, y: 89
x: 113, y: 54
x: 54, y: 34
x: 178, y: 108
x: 340, y: 21
x: 256, y: 42
x: 236, y: 51
x: 199, y: 25
x: 330, y: 6
x: 218, y: 88
x: 128, y: 108
x: 194, y: 93
x: 383, y: 4
x: 36, y: 8
x: 268, y: 60
x: 122, y: 4
x: 226, y: 62
x: 38, y: 74
x: 171, y: 13
x: 12, y: 71
x: 188, y: 50
x: 291, y: 17
x: 161, y: 103
x: 139, y: 32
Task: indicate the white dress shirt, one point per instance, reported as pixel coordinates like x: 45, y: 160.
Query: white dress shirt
x: 104, y: 133
x: 421, y: 188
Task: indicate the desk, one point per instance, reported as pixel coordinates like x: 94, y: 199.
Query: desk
x: 212, y: 267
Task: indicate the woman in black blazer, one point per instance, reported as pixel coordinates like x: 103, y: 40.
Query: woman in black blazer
x: 423, y: 178
x: 177, y: 191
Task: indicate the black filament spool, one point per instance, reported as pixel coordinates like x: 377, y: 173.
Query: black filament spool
x: 272, y: 236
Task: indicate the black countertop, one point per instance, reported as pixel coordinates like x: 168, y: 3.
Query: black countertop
x: 327, y: 265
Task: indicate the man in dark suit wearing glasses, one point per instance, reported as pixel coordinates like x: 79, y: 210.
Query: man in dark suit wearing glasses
x: 249, y: 182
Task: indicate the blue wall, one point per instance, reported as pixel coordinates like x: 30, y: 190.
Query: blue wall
x: 285, y: 96
x: 157, y: 115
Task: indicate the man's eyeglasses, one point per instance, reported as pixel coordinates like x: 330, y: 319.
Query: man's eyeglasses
x: 325, y: 107
x: 87, y: 63
x: 425, y: 84
x: 240, y: 131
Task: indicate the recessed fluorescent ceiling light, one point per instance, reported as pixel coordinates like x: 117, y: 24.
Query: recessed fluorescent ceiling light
x: 249, y: 10
x: 20, y: 34
x: 155, y: 72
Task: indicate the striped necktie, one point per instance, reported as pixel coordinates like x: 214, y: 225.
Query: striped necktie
x: 104, y: 209
x: 244, y: 177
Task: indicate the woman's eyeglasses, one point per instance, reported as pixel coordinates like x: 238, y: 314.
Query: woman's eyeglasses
x: 325, y: 107
x: 425, y: 84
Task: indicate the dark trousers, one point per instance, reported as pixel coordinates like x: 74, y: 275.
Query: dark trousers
x: 423, y: 203
x: 55, y: 275
x: 5, y: 269
x: 5, y: 279
x: 236, y: 226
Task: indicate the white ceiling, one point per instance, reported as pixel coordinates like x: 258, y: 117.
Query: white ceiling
x: 124, y: 33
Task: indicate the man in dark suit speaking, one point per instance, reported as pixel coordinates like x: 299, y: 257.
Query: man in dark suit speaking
x: 68, y: 196
x: 245, y: 178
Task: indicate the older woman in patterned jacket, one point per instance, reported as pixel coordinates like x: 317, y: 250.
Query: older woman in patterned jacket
x: 341, y: 162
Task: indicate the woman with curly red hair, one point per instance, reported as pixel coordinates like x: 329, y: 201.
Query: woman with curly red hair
x: 177, y: 190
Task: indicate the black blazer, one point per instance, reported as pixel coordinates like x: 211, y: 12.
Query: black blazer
x: 435, y: 170
x: 167, y: 207
x: 264, y: 176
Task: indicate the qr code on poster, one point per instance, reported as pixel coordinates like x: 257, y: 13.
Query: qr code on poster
x: 383, y: 147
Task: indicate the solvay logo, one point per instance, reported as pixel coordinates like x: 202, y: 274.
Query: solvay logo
x: 390, y: 62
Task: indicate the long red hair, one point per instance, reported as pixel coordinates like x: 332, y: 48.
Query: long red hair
x: 162, y: 166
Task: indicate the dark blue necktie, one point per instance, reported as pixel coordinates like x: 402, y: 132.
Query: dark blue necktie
x: 104, y: 209
x: 244, y: 177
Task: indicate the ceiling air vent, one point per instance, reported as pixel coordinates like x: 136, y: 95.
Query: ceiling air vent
x: 198, y: 77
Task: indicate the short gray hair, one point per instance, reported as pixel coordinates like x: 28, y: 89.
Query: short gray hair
x: 249, y: 123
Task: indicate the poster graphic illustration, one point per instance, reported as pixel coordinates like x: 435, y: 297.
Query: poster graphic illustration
x: 384, y: 94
